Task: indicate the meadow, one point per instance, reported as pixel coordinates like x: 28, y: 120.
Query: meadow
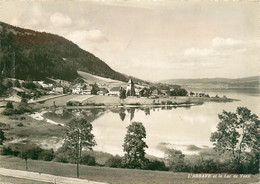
x: 115, y: 175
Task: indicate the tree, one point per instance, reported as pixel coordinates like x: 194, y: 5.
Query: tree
x: 2, y: 136
x: 238, y: 133
x: 122, y: 94
x: 178, y: 92
x: 134, y: 146
x: 94, y: 89
x: 25, y: 155
x: 174, y: 159
x: 9, y: 105
x: 114, y: 161
x: 79, y: 136
x: 17, y: 83
x: 88, y: 160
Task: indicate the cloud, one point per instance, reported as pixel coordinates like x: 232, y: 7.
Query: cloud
x: 60, y: 20
x: 94, y: 35
x: 198, y: 52
x: 221, y: 47
x: 225, y: 42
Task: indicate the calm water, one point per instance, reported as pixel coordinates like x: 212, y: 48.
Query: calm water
x: 178, y: 127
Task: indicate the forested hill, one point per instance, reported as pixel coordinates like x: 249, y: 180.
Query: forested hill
x: 37, y: 55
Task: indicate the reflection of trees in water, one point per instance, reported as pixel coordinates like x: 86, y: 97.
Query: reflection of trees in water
x: 122, y: 114
x: 65, y: 115
x: 131, y: 111
x: 59, y: 115
x: 187, y: 107
x: 147, y: 111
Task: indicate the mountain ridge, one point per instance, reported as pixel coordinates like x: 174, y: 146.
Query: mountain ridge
x: 252, y: 81
x: 40, y: 54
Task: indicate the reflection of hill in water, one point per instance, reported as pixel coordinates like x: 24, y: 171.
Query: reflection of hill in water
x: 65, y: 115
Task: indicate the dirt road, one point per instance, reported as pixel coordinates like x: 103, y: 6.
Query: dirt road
x: 44, y: 177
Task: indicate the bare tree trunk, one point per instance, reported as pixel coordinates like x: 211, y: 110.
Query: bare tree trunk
x: 80, y: 152
x: 77, y: 168
x: 26, y: 165
x: 78, y: 155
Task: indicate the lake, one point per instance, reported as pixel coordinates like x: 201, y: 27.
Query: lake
x: 184, y: 128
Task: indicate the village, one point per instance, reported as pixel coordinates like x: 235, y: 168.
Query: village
x: 37, y: 91
x: 99, y: 90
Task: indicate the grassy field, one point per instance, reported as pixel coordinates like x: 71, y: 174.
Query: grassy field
x: 20, y: 132
x: 97, y: 79
x: 113, y: 175
x: 11, y: 180
x: 61, y: 101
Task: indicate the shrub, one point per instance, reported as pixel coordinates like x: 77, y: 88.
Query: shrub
x: 34, y: 153
x: 47, y: 155
x: 88, y: 160
x: 61, y: 158
x: 23, y: 108
x: 114, y: 161
x: 134, y: 103
x: 156, y: 165
x: 4, y: 126
x: 20, y: 125
x: 24, y: 100
x: 163, y: 102
x: 169, y: 102
x: 8, y: 151
x: 9, y: 105
x: 22, y: 118
x: 63, y: 155
x: 174, y: 159
x: 69, y: 103
x: 8, y: 112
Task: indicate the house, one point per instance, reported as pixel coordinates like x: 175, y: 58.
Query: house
x: 58, y: 90
x: 17, y: 91
x: 115, y: 91
x: 76, y: 89
x: 130, y: 89
x: 137, y: 91
x: 87, y: 90
x: 102, y: 91
x: 45, y: 86
x: 155, y: 92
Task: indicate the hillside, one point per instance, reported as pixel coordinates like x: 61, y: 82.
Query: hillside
x: 28, y: 54
x: 246, y: 82
x: 91, y: 79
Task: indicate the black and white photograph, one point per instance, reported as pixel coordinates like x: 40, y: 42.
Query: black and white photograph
x: 129, y: 91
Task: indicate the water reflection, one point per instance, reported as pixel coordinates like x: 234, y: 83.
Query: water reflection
x: 122, y: 114
x: 175, y: 126
x: 63, y: 116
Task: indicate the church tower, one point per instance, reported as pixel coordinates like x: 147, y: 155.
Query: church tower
x: 130, y: 90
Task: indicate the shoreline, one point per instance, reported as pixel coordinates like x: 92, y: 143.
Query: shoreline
x: 101, y: 101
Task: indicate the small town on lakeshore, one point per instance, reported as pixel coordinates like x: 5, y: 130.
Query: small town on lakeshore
x: 40, y: 91
x: 129, y: 92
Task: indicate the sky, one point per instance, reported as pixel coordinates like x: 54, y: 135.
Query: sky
x: 153, y: 39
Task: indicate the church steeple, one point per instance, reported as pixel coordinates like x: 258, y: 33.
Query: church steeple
x: 130, y: 90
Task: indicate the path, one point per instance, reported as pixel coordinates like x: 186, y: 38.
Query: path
x: 44, y: 177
